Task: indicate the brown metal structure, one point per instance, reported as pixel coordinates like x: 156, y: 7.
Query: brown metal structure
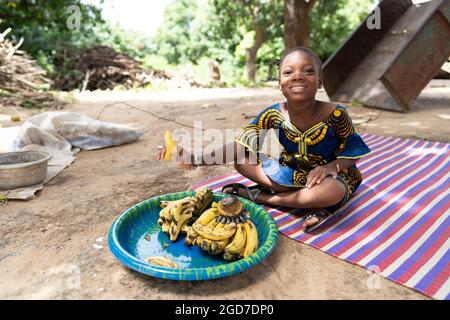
x: 388, y: 67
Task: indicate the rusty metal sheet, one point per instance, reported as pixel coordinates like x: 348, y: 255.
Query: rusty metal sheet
x: 416, y: 65
x: 340, y: 65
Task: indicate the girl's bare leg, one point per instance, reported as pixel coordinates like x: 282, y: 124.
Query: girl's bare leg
x: 328, y: 193
x: 255, y: 173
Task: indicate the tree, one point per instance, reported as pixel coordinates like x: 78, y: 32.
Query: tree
x: 332, y: 22
x: 250, y: 33
x: 257, y: 16
x: 296, y: 22
x: 173, y: 37
x: 45, y: 27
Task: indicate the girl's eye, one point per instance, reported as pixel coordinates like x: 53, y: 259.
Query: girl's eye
x: 309, y: 71
x: 287, y: 72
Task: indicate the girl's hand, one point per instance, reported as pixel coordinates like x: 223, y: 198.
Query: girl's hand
x: 318, y: 174
x: 183, y: 159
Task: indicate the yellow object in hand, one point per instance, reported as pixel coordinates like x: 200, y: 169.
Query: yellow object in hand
x: 171, y: 145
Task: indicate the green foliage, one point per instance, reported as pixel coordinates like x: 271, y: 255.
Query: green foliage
x: 193, y: 33
x: 333, y: 21
x: 44, y: 26
x: 53, y: 41
x: 222, y: 30
x: 173, y: 38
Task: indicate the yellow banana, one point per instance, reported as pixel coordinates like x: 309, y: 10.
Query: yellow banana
x: 238, y: 243
x: 179, y: 208
x: 206, y: 217
x: 205, y: 244
x: 222, y: 223
x: 230, y: 257
x: 213, y: 223
x: 162, y: 261
x: 190, y: 236
x: 213, y: 233
x: 164, y: 213
x: 251, y: 244
x: 168, y: 208
x: 201, y: 201
x: 230, y: 206
x: 171, y: 145
x: 197, y: 241
x: 218, y: 246
x: 165, y: 226
x: 175, y: 227
x: 185, y: 228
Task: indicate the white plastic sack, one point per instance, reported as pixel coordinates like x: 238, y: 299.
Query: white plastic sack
x: 67, y: 130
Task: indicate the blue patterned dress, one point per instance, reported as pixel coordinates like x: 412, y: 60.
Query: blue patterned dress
x: 331, y: 139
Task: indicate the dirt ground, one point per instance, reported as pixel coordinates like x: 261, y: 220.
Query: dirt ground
x: 55, y: 246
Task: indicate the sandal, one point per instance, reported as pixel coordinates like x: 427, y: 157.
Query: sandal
x: 252, y: 192
x: 322, y: 215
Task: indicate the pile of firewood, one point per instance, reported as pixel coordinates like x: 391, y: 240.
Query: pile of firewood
x: 22, y: 82
x: 104, y: 68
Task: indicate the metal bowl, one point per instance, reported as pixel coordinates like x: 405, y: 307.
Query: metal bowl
x: 22, y: 169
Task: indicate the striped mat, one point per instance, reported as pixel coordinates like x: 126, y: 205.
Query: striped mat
x: 397, y: 222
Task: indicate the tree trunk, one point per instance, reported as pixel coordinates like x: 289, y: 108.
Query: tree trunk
x: 250, y: 56
x: 250, y: 61
x: 296, y: 23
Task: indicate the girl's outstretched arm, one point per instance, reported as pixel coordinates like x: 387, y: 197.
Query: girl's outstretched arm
x: 226, y: 154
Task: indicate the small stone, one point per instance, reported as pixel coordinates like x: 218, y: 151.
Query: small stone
x: 97, y: 246
x: 99, y: 240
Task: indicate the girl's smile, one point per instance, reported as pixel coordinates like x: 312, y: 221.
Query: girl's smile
x: 299, y: 77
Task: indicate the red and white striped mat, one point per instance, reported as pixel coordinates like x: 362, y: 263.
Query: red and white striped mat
x: 397, y: 222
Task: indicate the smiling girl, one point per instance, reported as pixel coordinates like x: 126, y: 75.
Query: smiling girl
x: 317, y: 167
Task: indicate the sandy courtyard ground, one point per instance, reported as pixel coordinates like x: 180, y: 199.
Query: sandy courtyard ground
x: 55, y: 246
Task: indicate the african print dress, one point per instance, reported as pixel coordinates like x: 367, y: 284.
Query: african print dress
x: 328, y: 140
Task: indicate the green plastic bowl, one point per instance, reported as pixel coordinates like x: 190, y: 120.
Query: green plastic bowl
x: 136, y: 235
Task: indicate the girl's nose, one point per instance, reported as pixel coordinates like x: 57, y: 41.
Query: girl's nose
x: 297, y: 76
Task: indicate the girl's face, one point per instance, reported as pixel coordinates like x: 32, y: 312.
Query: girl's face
x: 299, y: 77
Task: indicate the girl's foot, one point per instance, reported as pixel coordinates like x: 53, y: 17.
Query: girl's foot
x: 243, y: 191
x: 316, y: 219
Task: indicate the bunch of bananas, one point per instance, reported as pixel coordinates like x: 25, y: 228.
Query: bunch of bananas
x: 224, y: 228
x: 176, y: 216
